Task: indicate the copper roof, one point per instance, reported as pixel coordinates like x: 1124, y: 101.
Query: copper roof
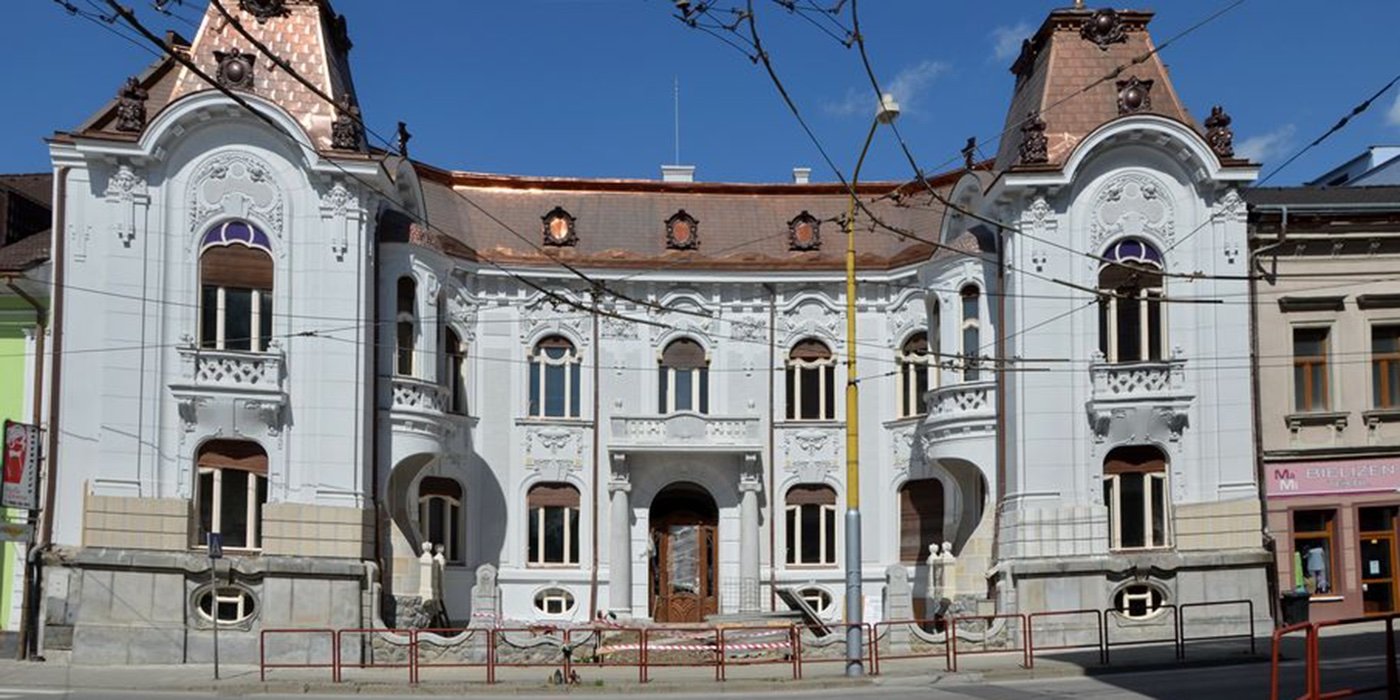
x: 1057, y: 64
x: 622, y: 223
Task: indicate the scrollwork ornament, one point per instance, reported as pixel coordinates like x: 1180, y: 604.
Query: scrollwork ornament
x: 1035, y: 148
x: 1104, y: 28
x: 1218, y: 133
x: 131, y: 107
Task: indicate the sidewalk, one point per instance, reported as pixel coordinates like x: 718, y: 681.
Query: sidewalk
x: 998, y: 667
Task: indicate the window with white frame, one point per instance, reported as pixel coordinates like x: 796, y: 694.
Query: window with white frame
x: 553, y: 515
x: 230, y: 492
x: 1138, y: 601
x: 918, y: 372
x: 971, y: 331
x: 230, y: 605
x: 1135, y: 491
x: 684, y: 380
x: 554, y: 601
x: 406, y: 327
x: 1131, y: 325
x: 455, y: 366
x: 811, y: 525
x: 440, y: 515
x: 555, y: 373
x: 811, y: 382
x: 818, y: 598
x: 235, y: 276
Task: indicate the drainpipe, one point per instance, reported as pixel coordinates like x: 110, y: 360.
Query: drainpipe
x: 1001, y: 399
x: 40, y: 324
x: 1260, y: 473
x: 597, y: 363
x: 372, y: 382
x: 772, y: 486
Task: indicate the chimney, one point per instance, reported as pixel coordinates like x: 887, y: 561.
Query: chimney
x: 801, y: 176
x: 678, y: 173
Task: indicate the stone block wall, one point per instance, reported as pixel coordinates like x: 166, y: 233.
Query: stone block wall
x: 1232, y: 524
x: 136, y: 523
x: 1054, y: 532
x: 296, y: 529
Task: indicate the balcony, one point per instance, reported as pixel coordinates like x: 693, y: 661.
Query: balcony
x: 420, y: 408
x: 961, y: 408
x: 1138, y: 398
x: 242, y: 389
x: 686, y: 432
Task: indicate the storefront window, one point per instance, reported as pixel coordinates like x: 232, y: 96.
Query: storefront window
x: 1313, y: 532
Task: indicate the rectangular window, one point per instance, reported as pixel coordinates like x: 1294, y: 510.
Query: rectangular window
x: 535, y: 389
x: 230, y: 502
x: 1313, y: 534
x: 1137, y: 509
x: 553, y: 523
x: 209, y: 317
x: 575, y: 372
x: 1310, y: 391
x: 404, y: 355
x: 554, y: 389
x: 811, y: 534
x: 1385, y: 366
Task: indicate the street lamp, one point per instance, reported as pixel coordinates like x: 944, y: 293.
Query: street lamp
x: 886, y: 113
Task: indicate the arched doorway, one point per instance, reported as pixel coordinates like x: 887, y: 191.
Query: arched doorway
x: 684, y: 554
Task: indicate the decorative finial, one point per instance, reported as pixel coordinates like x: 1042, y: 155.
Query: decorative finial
x: 404, y: 138
x: 1218, y: 133
x: 131, y: 107
x: 969, y: 152
x: 1078, y: 4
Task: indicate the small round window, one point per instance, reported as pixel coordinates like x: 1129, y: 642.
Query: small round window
x: 1138, y: 601
x: 230, y: 603
x: 554, y: 601
x: 817, y: 598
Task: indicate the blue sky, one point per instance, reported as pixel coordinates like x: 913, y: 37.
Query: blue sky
x: 584, y: 88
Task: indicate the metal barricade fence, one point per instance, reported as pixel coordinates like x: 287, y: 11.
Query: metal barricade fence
x: 877, y: 656
x: 953, y: 652
x: 1275, y: 681
x: 524, y: 651
x: 476, y: 640
x: 1175, y: 629
x: 772, y: 645
x: 1099, y: 624
x: 837, y: 638
x: 590, y: 647
x: 664, y: 647
x: 333, y: 664
x: 1181, y: 637
x: 372, y: 656
x: 1392, y: 678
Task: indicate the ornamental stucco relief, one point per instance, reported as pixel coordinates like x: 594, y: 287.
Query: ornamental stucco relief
x: 554, y: 451
x: 1132, y: 204
x: 810, y: 452
x: 238, y: 185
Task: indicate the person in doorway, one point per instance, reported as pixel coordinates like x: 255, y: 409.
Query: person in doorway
x: 1315, y: 562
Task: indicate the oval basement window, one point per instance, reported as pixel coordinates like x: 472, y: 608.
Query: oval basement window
x: 233, y: 604
x: 1138, y: 601
x: 818, y: 598
x: 554, y: 601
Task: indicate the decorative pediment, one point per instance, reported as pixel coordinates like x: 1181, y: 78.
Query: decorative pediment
x: 805, y: 232
x: 559, y: 228
x: 682, y: 231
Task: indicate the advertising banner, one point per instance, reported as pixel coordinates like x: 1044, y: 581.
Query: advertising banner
x: 21, y: 466
x: 1333, y: 476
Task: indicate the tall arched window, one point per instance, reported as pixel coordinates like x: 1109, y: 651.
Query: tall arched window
x: 406, y: 326
x: 456, y: 355
x: 235, y: 277
x: 553, y: 516
x: 918, y: 372
x: 811, y: 382
x: 684, y: 381
x: 554, y: 379
x: 811, y: 525
x: 1135, y: 491
x: 230, y: 492
x: 440, y: 515
x: 920, y: 519
x: 1130, y: 303
x: 971, y: 331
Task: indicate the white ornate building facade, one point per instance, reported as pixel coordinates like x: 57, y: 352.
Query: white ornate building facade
x: 615, y: 396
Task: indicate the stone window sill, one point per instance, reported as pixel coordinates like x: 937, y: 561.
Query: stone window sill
x: 1333, y: 418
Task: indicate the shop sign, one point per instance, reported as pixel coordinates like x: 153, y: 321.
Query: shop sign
x: 21, y: 466
x: 1333, y: 476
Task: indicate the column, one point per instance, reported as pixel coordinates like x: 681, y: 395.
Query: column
x: 749, y: 486
x: 620, y: 547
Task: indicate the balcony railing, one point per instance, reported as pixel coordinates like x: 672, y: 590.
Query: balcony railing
x: 235, y: 371
x: 418, y: 396
x: 1138, y: 381
x: 961, y: 400
x: 684, y: 431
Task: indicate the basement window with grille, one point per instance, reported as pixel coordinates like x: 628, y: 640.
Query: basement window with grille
x: 1138, y: 601
x: 232, y: 605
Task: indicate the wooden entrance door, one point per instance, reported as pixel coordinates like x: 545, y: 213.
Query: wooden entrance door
x: 684, y: 568
x: 1379, y: 591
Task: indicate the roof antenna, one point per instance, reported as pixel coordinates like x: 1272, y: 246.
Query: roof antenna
x: 677, y: 79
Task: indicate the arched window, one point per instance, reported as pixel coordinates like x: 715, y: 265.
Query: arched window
x: 971, y: 331
x: 230, y: 492
x: 456, y: 355
x: 553, y: 532
x: 554, y: 379
x: 684, y: 382
x: 920, y: 519
x: 811, y: 525
x: 406, y: 326
x: 440, y: 515
x: 1135, y: 491
x: 918, y: 372
x: 811, y: 382
x: 1130, y: 303
x: 235, y: 277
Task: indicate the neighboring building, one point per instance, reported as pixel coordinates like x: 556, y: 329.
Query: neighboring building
x: 24, y: 297
x: 1328, y: 366
x: 1378, y: 166
x: 333, y: 358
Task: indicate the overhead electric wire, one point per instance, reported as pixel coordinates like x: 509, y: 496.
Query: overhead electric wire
x: 1358, y: 109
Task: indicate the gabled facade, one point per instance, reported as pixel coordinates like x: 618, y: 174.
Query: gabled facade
x: 585, y: 397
